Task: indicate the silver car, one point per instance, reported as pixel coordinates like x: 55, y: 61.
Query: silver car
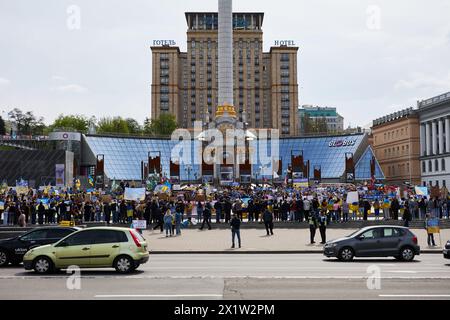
x: 375, y: 241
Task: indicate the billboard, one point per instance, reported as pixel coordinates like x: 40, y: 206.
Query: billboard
x: 59, y: 175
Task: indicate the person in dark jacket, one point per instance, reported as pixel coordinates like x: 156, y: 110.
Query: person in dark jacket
x: 367, y: 207
x: 268, y: 221
x: 107, y: 211
x: 218, y: 208
x: 323, y: 226
x: 395, y: 207
x: 235, y: 230
x: 312, y: 221
x: 123, y: 211
x: 407, y: 217
x: 206, y: 216
x: 159, y: 218
x: 227, y: 208
x: 41, y: 212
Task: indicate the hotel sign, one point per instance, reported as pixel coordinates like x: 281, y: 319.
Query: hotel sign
x: 164, y: 43
x: 287, y: 43
x: 341, y: 143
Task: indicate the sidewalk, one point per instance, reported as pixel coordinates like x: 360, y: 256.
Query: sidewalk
x: 256, y: 241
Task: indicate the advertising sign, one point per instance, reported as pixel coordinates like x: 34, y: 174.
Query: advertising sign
x: 59, y: 175
x: 65, y: 136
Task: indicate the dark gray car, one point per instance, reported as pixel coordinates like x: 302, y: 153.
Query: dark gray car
x: 376, y: 241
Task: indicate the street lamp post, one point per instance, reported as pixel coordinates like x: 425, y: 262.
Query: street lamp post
x: 188, y: 170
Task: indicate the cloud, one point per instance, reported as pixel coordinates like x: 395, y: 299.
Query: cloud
x: 4, y: 82
x: 71, y: 88
x: 58, y: 78
x: 418, y: 80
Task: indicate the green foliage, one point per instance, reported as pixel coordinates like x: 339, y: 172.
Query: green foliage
x: 313, y: 126
x: 71, y: 122
x: 2, y: 127
x: 163, y: 126
x: 27, y: 123
x: 113, y: 125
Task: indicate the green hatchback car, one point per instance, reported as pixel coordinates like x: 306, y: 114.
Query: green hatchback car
x: 101, y: 247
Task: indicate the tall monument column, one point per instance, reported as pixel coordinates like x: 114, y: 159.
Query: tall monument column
x: 225, y: 53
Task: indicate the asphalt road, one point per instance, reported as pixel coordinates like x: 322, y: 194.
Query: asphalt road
x: 243, y: 276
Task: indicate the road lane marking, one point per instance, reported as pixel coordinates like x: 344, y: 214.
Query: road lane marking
x: 414, y: 295
x: 400, y: 271
x: 212, y: 277
x: 159, y: 296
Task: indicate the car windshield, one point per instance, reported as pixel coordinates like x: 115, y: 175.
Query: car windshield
x: 354, y: 233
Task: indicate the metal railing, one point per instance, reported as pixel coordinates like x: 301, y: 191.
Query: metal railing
x: 437, y: 99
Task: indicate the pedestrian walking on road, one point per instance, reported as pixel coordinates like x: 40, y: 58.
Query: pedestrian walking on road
x: 268, y: 221
x: 312, y: 221
x: 206, y: 216
x: 235, y: 230
x: 323, y: 227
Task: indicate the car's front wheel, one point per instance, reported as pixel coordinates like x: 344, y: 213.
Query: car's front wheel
x: 43, y: 265
x: 346, y: 254
x: 124, y: 264
x: 4, y: 260
x: 407, y: 254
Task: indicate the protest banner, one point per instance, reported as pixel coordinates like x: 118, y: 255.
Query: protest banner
x: 134, y: 194
x: 353, y: 197
x: 433, y: 225
x: 106, y: 198
x: 140, y: 224
x: 421, y: 191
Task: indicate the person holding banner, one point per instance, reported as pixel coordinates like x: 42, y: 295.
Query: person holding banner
x: 430, y: 238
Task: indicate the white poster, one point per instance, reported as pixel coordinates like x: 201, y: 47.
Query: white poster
x: 140, y: 224
x: 136, y: 194
x: 59, y: 175
x: 353, y: 197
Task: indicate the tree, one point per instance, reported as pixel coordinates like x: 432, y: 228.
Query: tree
x: 113, y: 125
x: 307, y: 124
x: 133, y: 126
x: 27, y: 123
x: 71, y: 122
x: 163, y: 126
x: 2, y: 127
x: 322, y: 126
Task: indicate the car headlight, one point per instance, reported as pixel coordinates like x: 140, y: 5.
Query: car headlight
x: 331, y: 245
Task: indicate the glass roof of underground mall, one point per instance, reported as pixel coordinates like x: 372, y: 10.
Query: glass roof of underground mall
x: 123, y: 156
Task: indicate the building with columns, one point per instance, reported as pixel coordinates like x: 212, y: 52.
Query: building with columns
x: 434, y: 114
x: 396, y: 144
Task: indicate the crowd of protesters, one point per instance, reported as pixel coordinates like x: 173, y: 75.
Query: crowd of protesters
x: 171, y: 214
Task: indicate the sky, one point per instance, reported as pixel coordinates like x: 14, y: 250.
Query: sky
x: 92, y: 57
